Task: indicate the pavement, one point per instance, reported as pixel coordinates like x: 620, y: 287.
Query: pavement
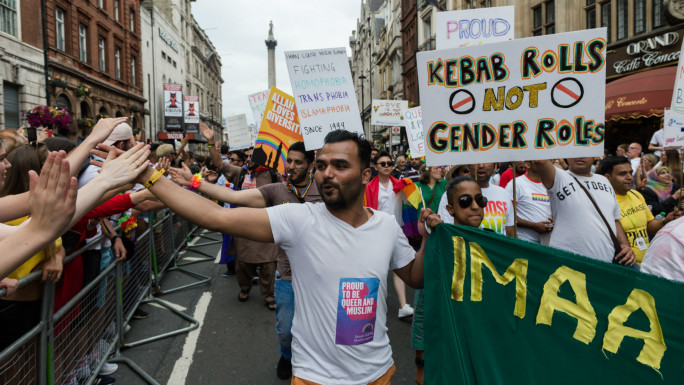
x: 236, y: 341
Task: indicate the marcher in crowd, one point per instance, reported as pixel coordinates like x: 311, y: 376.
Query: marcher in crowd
x: 648, y: 161
x: 662, y: 195
x: 532, y: 204
x: 665, y: 255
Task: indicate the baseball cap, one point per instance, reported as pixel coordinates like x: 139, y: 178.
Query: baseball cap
x: 165, y: 149
x: 121, y: 132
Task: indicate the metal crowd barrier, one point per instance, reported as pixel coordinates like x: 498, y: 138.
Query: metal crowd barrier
x: 70, y: 345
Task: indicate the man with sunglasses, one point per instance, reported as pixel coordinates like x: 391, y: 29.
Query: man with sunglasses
x: 498, y: 215
x: 578, y: 225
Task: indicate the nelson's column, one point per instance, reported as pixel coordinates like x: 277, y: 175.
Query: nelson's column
x: 270, y: 45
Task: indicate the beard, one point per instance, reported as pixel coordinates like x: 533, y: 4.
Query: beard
x: 345, y: 195
x: 297, y: 180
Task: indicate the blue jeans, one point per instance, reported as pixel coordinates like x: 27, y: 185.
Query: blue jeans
x: 284, y: 298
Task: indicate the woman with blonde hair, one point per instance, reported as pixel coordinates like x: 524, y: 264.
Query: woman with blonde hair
x: 648, y: 161
x: 12, y: 139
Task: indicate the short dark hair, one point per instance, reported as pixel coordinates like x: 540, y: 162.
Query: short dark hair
x: 57, y: 144
x: 299, y: 147
x: 224, y: 149
x: 362, y: 145
x: 153, y: 147
x: 451, y: 186
x: 609, y: 162
x: 381, y: 154
x: 240, y: 154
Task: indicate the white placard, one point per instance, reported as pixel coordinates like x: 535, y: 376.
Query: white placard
x: 388, y: 112
x: 239, y: 135
x: 526, y: 99
x: 414, y: 131
x: 324, y: 93
x: 673, y: 128
x: 257, y: 102
x: 474, y: 26
x: 678, y: 91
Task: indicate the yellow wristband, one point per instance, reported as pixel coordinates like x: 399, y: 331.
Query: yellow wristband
x: 157, y: 174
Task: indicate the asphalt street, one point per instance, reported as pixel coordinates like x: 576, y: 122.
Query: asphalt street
x: 236, y: 342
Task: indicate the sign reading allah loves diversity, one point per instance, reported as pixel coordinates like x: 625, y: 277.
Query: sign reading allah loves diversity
x: 500, y: 311
x: 523, y: 99
x: 279, y: 129
x: 474, y: 26
x: 324, y: 93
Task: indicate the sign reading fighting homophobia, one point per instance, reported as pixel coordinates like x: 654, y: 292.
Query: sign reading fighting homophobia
x: 678, y: 92
x: 673, y: 128
x: 388, y: 112
x: 324, y: 93
x: 191, y: 115
x: 526, y: 99
x: 474, y: 26
x: 279, y: 129
x: 239, y: 135
x: 257, y: 102
x: 499, y: 310
x: 173, y: 107
x: 414, y: 130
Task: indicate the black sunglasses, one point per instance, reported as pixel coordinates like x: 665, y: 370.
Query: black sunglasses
x: 386, y: 164
x: 466, y: 200
x: 234, y: 159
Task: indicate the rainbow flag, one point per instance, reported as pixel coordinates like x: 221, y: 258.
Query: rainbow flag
x: 412, y: 192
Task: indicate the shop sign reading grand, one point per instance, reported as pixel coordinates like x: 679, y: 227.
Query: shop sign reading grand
x: 652, y: 51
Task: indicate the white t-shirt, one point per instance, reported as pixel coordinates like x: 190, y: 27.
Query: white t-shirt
x: 665, y: 255
x: 389, y: 202
x: 636, y: 162
x: 578, y: 228
x: 533, y: 205
x: 339, y: 277
x: 659, y: 140
x: 497, y: 215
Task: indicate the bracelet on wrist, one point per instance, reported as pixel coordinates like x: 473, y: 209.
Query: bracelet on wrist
x: 157, y: 174
x: 196, y: 182
x: 210, y: 145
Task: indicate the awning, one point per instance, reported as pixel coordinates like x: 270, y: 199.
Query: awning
x: 641, y: 95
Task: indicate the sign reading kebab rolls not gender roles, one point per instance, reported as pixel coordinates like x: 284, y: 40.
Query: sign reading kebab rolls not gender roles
x: 173, y: 107
x: 527, y: 99
x: 324, y: 93
x: 279, y: 129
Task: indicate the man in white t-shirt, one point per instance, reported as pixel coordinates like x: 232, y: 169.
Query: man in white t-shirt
x: 499, y: 211
x: 533, y: 206
x: 657, y: 144
x: 665, y: 255
x: 340, y: 253
x: 578, y: 227
x: 634, y: 155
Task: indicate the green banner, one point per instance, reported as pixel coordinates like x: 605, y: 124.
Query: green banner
x: 503, y: 311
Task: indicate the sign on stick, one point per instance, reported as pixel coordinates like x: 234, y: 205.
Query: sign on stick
x: 474, y: 26
x: 257, y: 102
x: 239, y: 135
x: 388, y: 112
x: 673, y: 128
x: 414, y: 131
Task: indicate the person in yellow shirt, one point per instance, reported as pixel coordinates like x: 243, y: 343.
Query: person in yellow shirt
x: 637, y: 219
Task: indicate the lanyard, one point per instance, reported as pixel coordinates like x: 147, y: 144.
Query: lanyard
x: 292, y: 188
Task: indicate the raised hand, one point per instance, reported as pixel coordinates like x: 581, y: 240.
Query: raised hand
x: 164, y: 163
x: 181, y: 176
x: 207, y: 132
x: 117, y: 170
x: 104, y: 128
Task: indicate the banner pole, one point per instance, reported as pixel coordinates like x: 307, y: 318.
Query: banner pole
x: 515, y: 204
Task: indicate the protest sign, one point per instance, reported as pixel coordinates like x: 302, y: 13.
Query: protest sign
x: 673, y: 128
x: 474, y: 26
x: 257, y: 102
x: 523, y: 99
x: 500, y: 310
x: 173, y: 107
x: 414, y: 131
x: 388, y: 112
x: 279, y: 129
x: 239, y: 136
x: 324, y: 93
x: 678, y: 91
x: 191, y: 107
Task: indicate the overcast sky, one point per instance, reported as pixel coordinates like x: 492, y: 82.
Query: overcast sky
x: 238, y: 30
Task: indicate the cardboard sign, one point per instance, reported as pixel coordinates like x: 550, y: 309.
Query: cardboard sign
x: 673, y: 128
x: 191, y: 108
x: 173, y: 107
x: 257, y: 103
x: 526, y: 99
x: 388, y: 112
x: 279, y: 129
x: 324, y: 93
x: 678, y: 92
x: 414, y: 130
x: 239, y: 135
x: 474, y: 26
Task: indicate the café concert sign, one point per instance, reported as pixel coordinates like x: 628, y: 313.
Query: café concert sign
x: 652, y: 51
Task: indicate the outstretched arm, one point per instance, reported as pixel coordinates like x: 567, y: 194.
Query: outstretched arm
x: 208, y: 134
x: 247, y: 198
x: 547, y: 172
x: 412, y: 274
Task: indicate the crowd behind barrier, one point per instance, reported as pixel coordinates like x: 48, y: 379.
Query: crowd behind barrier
x: 70, y: 344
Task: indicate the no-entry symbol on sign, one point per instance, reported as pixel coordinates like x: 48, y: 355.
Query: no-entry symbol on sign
x: 462, y: 102
x: 567, y: 92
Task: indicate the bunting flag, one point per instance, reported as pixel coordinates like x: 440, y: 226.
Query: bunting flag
x: 500, y: 310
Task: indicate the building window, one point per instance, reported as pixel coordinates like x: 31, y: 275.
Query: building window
x: 116, y: 10
x: 117, y: 62
x: 544, y: 20
x: 605, y: 19
x: 133, y: 70
x: 131, y: 20
x: 622, y: 16
x: 639, y: 16
x: 59, y: 26
x: 11, y: 98
x: 550, y: 25
x: 537, y: 20
x: 8, y: 17
x: 83, y: 42
x: 101, y: 51
x: 658, y: 20
x: 591, y: 18
x: 100, y: 3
